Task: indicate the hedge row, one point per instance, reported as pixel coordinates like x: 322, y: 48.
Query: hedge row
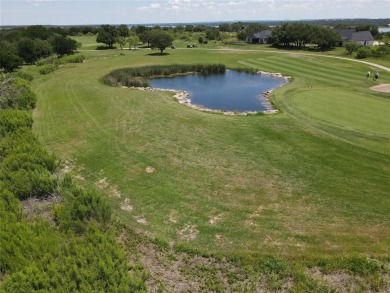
x: 137, y: 76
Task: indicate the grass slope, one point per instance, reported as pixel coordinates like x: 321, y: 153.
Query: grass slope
x: 311, y: 181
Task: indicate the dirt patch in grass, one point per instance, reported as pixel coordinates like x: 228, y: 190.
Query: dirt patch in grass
x: 384, y: 88
x: 215, y: 219
x: 188, y: 233
x: 340, y: 281
x: 34, y: 207
x: 141, y: 220
x: 149, y: 169
x: 125, y: 206
x: 102, y: 183
x: 114, y: 192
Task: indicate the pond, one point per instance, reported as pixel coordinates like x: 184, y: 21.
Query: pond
x: 231, y: 91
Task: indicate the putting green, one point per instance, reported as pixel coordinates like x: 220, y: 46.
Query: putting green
x: 347, y: 110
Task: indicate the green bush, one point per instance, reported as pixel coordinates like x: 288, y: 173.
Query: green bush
x: 363, y: 52
x: 81, y: 207
x: 11, y: 120
x: 74, y: 58
x: 49, y: 68
x: 26, y: 168
x: 22, y: 75
x: 16, y: 93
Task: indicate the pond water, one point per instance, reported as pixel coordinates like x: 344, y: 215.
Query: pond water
x: 231, y: 91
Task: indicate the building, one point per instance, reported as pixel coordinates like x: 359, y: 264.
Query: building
x: 260, y: 37
x: 365, y: 38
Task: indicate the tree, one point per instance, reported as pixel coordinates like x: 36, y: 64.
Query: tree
x: 123, y: 31
x: 9, y: 61
x: 224, y: 27
x: 37, y: 32
x: 160, y: 40
x: 351, y: 47
x: 324, y: 37
x: 107, y: 35
x: 133, y: 41
x: 213, y: 34
x: 121, y: 41
x: 64, y: 46
x: 42, y: 48
x: 26, y: 50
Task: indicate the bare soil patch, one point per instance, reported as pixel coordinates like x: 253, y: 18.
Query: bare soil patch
x: 384, y: 88
x: 188, y: 233
x: 34, y: 207
x: 125, y: 206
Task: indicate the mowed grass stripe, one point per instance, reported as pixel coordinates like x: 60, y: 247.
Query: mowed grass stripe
x: 313, y: 73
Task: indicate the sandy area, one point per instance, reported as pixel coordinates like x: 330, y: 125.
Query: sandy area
x: 385, y: 88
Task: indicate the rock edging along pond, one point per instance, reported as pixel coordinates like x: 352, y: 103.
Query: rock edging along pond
x: 209, y: 86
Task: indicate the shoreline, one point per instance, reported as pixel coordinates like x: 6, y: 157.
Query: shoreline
x: 183, y: 98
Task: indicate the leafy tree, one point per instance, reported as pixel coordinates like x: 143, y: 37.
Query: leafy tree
x: 253, y: 28
x: 123, y: 31
x: 160, y: 40
x: 121, y: 42
x: 26, y: 50
x: 107, y: 35
x: 351, y: 47
x: 213, y: 34
x: 37, y: 32
x: 200, y: 40
x: 144, y: 37
x: 64, y: 46
x: 324, y: 37
x: 9, y: 61
x: 133, y: 41
x: 241, y: 36
x: 42, y: 48
x: 224, y: 27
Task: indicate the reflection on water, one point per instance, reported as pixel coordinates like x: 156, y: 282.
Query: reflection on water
x: 231, y: 91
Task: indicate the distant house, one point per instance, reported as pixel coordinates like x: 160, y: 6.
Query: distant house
x: 260, y: 37
x: 351, y: 35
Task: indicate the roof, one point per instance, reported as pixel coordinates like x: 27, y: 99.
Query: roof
x: 346, y: 33
x: 362, y: 36
x: 262, y: 34
x: 351, y: 34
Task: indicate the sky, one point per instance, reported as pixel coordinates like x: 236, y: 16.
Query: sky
x: 75, y: 12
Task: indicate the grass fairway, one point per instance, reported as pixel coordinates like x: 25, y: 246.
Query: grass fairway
x: 310, y: 181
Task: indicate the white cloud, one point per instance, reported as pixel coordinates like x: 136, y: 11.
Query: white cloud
x: 150, y: 6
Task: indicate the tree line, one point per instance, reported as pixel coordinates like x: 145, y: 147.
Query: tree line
x: 27, y: 45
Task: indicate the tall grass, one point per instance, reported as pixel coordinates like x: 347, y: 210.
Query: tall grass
x: 51, y: 64
x: 136, y: 76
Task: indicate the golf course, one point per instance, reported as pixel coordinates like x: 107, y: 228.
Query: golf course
x: 309, y: 182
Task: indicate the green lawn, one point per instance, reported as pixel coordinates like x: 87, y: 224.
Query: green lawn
x: 312, y: 180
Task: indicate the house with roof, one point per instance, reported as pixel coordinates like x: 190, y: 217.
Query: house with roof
x: 365, y: 38
x: 259, y: 38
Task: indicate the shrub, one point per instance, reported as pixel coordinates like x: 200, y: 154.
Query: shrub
x: 11, y: 120
x: 16, y: 94
x: 135, y: 75
x: 363, y: 52
x: 26, y: 168
x: 81, y: 207
x: 49, y: 68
